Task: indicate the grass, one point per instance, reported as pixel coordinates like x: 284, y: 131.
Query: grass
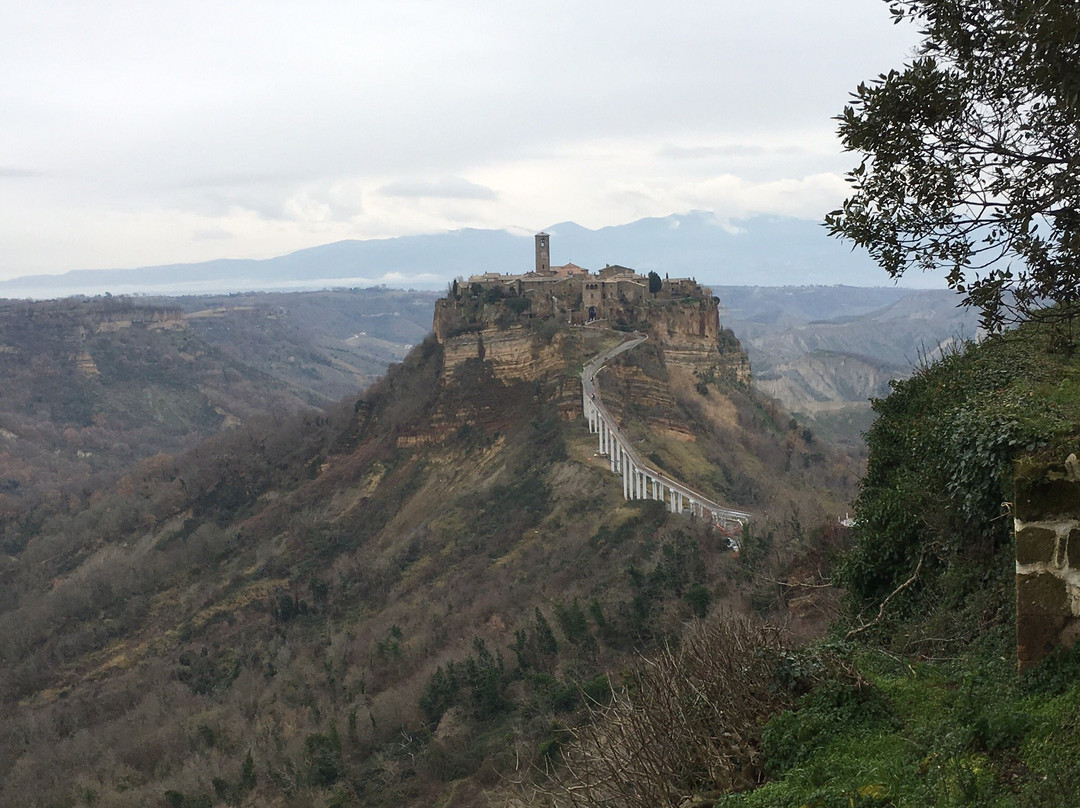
x: 904, y: 733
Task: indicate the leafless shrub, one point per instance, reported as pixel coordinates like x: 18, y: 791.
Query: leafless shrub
x: 686, y: 722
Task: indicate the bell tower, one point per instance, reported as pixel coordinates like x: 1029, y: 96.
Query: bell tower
x: 543, y: 254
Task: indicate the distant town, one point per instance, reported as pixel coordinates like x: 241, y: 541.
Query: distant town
x: 583, y: 294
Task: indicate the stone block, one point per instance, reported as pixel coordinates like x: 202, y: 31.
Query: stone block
x: 1035, y: 545
x: 1041, y: 594
x: 1037, y: 636
x: 1073, y: 549
x: 1044, y: 494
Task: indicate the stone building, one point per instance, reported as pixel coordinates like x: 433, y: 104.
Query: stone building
x: 578, y: 293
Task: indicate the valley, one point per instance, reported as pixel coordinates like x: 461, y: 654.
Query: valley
x: 395, y: 598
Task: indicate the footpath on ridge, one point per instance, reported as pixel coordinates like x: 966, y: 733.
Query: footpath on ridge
x: 639, y: 480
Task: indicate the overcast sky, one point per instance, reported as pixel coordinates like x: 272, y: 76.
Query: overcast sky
x: 138, y: 133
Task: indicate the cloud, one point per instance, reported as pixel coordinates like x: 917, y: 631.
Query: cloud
x: 450, y: 188
x: 287, y: 126
x: 229, y: 179
x: 13, y: 173
x: 210, y: 233
x: 729, y: 196
x: 705, y: 152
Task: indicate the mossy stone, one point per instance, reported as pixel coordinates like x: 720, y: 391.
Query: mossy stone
x: 1041, y: 593
x: 1048, y: 497
x: 1035, y: 545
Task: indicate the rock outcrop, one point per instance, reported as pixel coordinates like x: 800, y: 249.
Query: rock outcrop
x: 690, y: 335
x: 521, y: 334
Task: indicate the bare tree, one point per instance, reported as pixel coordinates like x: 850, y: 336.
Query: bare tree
x: 686, y: 724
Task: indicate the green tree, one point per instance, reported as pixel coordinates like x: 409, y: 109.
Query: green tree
x: 322, y: 752
x: 971, y: 163
x: 655, y: 284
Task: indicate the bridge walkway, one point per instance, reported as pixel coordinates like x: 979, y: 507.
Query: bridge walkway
x: 641, y: 481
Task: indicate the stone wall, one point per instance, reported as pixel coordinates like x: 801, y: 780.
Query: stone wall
x: 1047, y: 524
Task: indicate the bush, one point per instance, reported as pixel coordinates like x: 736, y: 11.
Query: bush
x: 833, y: 709
x: 686, y: 720
x: 940, y: 466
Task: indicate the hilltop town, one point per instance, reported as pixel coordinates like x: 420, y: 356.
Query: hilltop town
x: 577, y: 294
x: 513, y: 320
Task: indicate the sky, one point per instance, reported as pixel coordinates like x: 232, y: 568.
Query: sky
x: 145, y: 133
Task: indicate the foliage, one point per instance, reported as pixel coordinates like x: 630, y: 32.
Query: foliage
x: 655, y: 283
x: 970, y: 153
x: 940, y: 467
x: 902, y: 733
x: 518, y: 305
x: 322, y: 752
x: 477, y: 682
x: 835, y: 709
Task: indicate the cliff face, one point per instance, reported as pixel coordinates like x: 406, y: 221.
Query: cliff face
x: 522, y: 341
x: 516, y: 353
x: 689, y: 334
x: 823, y: 380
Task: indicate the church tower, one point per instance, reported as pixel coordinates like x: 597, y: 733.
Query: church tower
x: 543, y: 254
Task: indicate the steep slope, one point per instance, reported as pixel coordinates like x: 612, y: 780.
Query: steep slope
x: 377, y: 606
x: 91, y: 385
x: 933, y: 689
x: 824, y: 352
x: 329, y: 344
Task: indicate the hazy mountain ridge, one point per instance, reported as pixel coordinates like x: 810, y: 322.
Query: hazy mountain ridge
x: 92, y: 385
x: 762, y: 250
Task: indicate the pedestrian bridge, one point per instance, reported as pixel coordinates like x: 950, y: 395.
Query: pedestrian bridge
x: 639, y: 480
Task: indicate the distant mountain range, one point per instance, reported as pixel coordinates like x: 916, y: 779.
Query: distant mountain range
x: 760, y: 251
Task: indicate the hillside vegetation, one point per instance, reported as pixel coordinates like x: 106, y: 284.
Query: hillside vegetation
x: 93, y: 385
x: 914, y: 698
x: 329, y: 344
x: 409, y: 600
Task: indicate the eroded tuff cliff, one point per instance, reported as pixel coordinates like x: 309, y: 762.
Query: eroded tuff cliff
x: 689, y: 334
x: 524, y: 337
